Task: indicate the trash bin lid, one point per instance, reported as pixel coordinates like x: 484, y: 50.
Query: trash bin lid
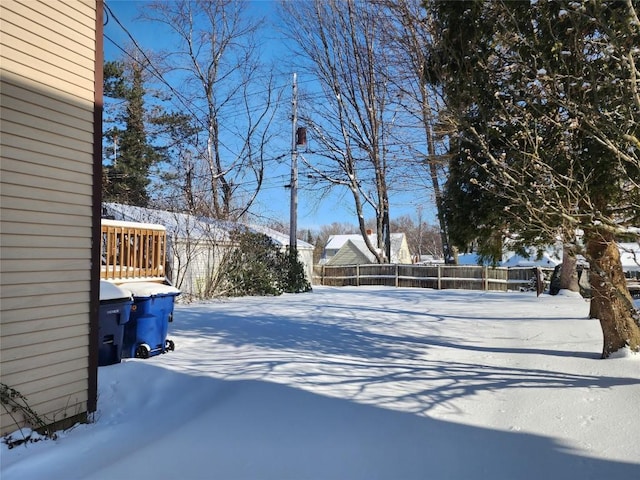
x: 109, y: 291
x: 149, y: 289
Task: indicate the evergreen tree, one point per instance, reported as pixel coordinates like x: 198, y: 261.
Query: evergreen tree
x: 257, y: 266
x: 227, y: 96
x: 126, y: 178
x: 544, y: 99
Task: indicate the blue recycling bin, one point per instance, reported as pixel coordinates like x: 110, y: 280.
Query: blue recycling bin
x: 145, y: 334
x: 114, y: 312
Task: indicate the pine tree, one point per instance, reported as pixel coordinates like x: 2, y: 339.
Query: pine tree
x: 127, y: 177
x: 257, y: 266
x: 544, y: 99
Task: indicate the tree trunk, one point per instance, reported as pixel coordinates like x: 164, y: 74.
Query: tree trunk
x: 449, y: 256
x: 569, y: 273
x: 610, y: 299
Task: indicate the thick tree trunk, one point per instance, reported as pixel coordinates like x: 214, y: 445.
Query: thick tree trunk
x: 610, y: 299
x: 569, y: 273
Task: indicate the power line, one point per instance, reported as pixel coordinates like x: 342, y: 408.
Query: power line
x: 149, y: 66
x: 194, y: 108
x: 159, y: 75
x: 188, y: 105
x: 154, y: 71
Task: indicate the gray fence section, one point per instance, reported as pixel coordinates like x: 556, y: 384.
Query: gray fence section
x: 430, y: 276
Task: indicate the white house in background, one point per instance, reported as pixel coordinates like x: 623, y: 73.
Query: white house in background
x: 629, y: 257
x: 547, y: 260
x: 352, y: 250
x: 550, y: 258
x: 197, y: 243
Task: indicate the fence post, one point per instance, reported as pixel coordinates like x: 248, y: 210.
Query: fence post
x: 439, y: 278
x: 397, y: 273
x: 485, y: 278
x: 357, y: 275
x: 505, y: 287
x: 322, y: 274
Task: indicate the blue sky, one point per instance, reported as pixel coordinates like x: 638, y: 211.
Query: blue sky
x: 274, y: 204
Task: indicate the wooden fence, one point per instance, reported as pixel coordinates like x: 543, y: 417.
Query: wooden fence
x: 430, y: 276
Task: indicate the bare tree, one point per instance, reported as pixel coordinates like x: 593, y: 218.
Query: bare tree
x: 422, y: 238
x: 226, y: 94
x: 350, y: 119
x: 408, y: 34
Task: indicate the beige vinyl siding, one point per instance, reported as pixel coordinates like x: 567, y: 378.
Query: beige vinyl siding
x: 40, y: 318
x: 54, y: 336
x: 17, y: 278
x: 56, y: 221
x: 52, y: 148
x: 48, y: 37
x: 28, y: 355
x: 47, y: 62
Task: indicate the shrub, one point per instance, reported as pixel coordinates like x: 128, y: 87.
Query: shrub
x: 15, y: 404
x: 257, y: 266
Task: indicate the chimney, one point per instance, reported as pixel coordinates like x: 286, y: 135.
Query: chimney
x: 369, y: 231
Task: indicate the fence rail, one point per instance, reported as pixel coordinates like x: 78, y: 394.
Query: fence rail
x: 438, y: 277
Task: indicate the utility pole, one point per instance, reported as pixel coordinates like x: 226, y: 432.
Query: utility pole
x: 293, y: 215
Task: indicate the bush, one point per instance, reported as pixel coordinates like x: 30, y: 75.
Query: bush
x: 258, y: 267
x: 295, y: 280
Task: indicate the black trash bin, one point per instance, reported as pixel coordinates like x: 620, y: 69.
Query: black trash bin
x: 115, y: 309
x: 145, y: 334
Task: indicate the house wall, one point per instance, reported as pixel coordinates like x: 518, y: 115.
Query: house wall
x: 305, y: 255
x: 194, y: 263
x: 404, y: 255
x: 349, y: 254
x: 48, y: 57
x: 352, y: 250
x: 630, y: 257
x: 197, y: 245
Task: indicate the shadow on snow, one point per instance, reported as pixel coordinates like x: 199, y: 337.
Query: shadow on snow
x: 253, y: 429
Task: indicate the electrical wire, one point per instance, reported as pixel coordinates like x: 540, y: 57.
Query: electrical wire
x: 306, y: 182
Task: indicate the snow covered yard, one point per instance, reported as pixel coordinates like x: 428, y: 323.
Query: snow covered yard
x: 361, y: 383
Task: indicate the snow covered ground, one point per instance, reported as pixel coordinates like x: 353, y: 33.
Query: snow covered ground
x: 361, y: 383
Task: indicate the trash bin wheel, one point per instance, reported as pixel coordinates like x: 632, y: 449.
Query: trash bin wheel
x: 142, y: 351
x: 169, y: 346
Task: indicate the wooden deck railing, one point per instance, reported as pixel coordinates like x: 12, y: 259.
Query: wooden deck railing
x: 132, y: 251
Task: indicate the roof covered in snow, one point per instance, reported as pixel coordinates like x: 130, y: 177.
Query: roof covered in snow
x: 630, y: 256
x: 546, y: 260
x: 356, y: 245
x: 184, y: 225
x: 335, y: 242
